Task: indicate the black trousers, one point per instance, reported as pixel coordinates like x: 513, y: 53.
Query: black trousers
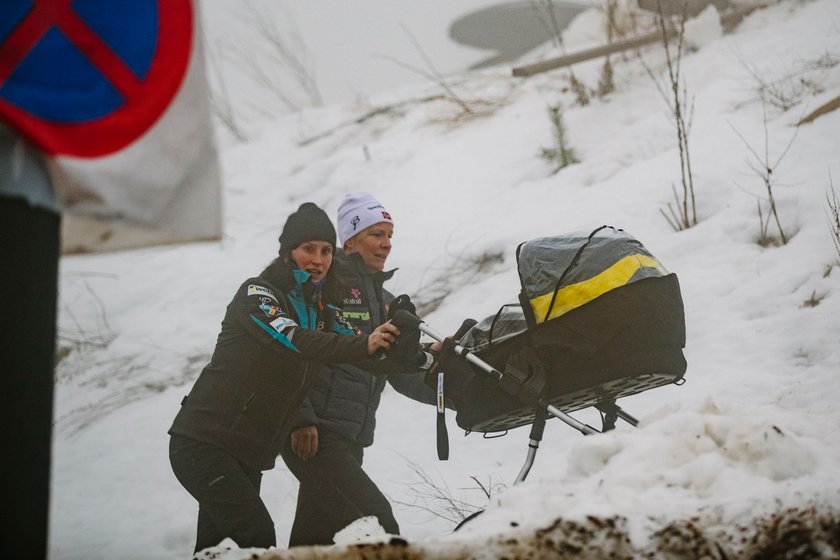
x: 334, y: 491
x: 29, y: 247
x: 228, y: 495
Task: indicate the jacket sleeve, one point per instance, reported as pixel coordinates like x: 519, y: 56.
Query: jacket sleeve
x: 413, y: 386
x: 306, y: 415
x: 266, y: 316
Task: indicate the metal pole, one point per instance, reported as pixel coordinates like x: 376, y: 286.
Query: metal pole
x: 533, y: 445
x: 537, y: 430
x: 400, y: 317
x: 727, y: 20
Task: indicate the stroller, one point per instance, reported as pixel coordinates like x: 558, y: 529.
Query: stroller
x: 599, y: 318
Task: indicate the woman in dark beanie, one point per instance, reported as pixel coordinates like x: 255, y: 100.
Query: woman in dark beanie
x: 278, y: 330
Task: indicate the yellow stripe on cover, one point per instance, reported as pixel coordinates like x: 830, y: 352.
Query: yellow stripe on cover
x: 575, y: 295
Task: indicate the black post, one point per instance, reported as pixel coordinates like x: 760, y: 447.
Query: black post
x: 29, y: 256
x: 29, y: 250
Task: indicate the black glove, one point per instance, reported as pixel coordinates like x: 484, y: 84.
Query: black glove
x: 458, y: 371
x: 406, y: 349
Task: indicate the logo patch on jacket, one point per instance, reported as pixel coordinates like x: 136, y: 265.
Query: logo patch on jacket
x: 347, y: 324
x: 270, y: 310
x: 354, y: 299
x: 254, y: 290
x: 360, y: 315
x: 282, y: 323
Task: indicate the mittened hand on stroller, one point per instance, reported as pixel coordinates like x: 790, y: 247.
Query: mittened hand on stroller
x: 406, y: 349
x: 458, y: 372
x: 401, y: 302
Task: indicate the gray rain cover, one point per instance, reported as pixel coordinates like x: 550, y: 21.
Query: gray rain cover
x: 607, y: 258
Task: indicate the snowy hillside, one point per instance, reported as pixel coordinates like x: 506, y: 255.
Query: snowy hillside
x: 741, y: 458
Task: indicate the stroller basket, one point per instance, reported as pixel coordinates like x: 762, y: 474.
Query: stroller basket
x: 599, y: 320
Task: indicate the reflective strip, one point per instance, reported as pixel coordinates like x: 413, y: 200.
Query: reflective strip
x: 575, y: 295
x: 280, y: 337
x: 440, y: 400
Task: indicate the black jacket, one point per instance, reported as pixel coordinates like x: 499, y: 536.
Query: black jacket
x: 267, y: 356
x: 346, y: 397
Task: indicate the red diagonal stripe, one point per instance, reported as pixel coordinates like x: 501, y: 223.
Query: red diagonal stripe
x: 98, y: 52
x: 22, y: 40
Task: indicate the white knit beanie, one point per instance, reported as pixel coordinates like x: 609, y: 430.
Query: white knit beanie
x: 359, y: 211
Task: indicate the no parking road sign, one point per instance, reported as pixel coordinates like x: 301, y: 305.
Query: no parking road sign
x: 88, y: 77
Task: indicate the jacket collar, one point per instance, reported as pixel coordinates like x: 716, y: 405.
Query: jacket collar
x: 302, y: 284
x: 361, y: 268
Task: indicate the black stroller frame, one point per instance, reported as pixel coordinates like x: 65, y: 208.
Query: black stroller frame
x: 512, y: 382
x: 623, y: 340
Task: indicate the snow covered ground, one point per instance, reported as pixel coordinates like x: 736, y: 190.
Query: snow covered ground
x: 743, y: 456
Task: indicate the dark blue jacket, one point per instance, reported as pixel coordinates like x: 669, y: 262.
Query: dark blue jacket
x: 345, y: 398
x: 267, y: 356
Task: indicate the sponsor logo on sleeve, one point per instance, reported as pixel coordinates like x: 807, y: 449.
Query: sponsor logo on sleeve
x: 254, y: 290
x: 282, y: 323
x: 270, y: 310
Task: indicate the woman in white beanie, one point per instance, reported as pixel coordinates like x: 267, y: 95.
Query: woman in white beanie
x: 337, y: 420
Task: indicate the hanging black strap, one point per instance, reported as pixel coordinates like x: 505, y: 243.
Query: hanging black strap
x: 442, y: 434
x: 568, y: 268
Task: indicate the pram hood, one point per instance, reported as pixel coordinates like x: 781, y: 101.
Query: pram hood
x: 561, y: 273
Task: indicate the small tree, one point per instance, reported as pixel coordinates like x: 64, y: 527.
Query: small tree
x: 682, y: 214
x: 560, y: 155
x: 764, y: 168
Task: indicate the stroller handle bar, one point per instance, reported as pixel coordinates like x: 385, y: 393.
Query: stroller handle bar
x: 404, y: 319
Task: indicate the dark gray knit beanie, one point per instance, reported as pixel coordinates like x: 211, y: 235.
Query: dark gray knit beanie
x: 309, y: 223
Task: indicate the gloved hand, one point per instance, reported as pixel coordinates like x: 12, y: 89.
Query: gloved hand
x: 406, y: 349
x: 458, y: 372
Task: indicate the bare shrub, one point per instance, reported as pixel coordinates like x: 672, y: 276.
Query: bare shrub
x: 814, y: 300
x: 764, y: 168
x: 582, y: 93
x: 682, y: 214
x: 432, y: 293
x: 545, y: 13
x: 435, y: 497
x: 606, y: 83
x: 784, y: 88
x: 432, y: 73
x: 220, y: 99
x: 75, y: 338
x: 282, y: 67
x: 833, y: 216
